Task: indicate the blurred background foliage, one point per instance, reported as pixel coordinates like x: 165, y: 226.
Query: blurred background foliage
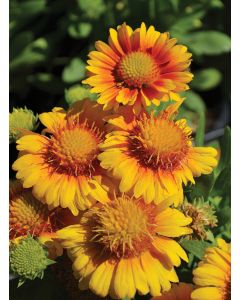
x: 50, y: 40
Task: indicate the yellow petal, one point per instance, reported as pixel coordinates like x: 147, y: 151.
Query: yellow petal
x: 97, y: 191
x: 121, y: 284
x: 101, y: 279
x: 141, y: 184
x: 53, y: 120
x: 172, y: 217
x: 32, y: 143
x: 31, y: 178
x: 207, y: 274
x: 113, y: 41
x: 52, y: 194
x: 139, y: 276
x: 170, y: 248
x: 207, y: 293
x: 129, y: 178
x: 66, y: 192
x: 80, y: 262
x: 151, y: 274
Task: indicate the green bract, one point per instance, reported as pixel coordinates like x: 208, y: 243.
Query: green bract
x: 28, y: 260
x: 21, y: 118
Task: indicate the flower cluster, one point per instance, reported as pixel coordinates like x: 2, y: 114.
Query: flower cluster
x: 105, y: 179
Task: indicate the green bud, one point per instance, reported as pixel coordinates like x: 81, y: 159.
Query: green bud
x: 28, y: 259
x: 78, y: 92
x: 19, y: 119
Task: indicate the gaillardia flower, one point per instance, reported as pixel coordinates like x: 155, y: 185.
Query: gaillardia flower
x: 213, y: 274
x: 153, y: 156
x: 181, y: 291
x: 62, y: 166
x: 125, y: 246
x: 138, y: 68
x: 26, y: 213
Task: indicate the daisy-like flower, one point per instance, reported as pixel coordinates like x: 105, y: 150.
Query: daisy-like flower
x: 153, y: 156
x: 126, y: 246
x: 26, y: 213
x: 27, y: 216
x: 213, y: 274
x: 62, y: 166
x: 138, y: 68
x: 181, y: 291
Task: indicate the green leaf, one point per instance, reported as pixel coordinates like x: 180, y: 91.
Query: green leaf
x: 162, y: 106
x: 175, y: 4
x: 80, y: 30
x: 207, y: 42
x: 190, y: 116
x: 224, y: 215
x: 216, y: 4
x: 197, y: 248
x: 92, y: 9
x: 33, y: 54
x: 19, y: 42
x: 195, y: 103
x: 27, y: 8
x: 183, y: 24
x: 215, y: 200
x: 202, y: 187
x: 210, y: 236
x: 222, y: 186
x: 206, y: 79
x: 225, y: 146
x: 74, y: 71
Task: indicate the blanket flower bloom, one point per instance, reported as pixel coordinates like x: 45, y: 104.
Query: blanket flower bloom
x: 213, y: 274
x: 181, y: 291
x: 157, y: 153
x: 26, y: 213
x: 125, y: 246
x: 62, y: 166
x: 138, y: 67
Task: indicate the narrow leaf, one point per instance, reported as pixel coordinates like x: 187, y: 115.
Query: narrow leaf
x: 197, y: 248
